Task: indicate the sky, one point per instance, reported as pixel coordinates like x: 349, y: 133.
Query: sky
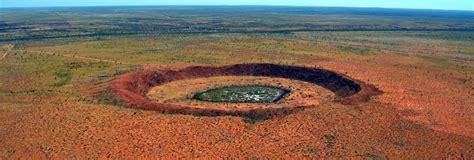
x: 416, y: 4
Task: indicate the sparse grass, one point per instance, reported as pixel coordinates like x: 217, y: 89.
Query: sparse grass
x: 108, y: 97
x: 461, y: 52
x: 448, y: 64
x: 57, y: 47
x: 63, y: 76
x: 14, y: 93
x: 126, y: 69
x: 110, y: 74
x: 355, y: 50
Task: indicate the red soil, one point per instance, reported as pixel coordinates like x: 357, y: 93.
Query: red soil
x: 389, y: 126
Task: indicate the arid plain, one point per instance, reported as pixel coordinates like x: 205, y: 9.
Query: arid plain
x: 60, y: 96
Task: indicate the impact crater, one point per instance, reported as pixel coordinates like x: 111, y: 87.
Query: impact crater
x: 133, y: 88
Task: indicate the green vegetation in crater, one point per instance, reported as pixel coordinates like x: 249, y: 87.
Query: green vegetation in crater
x: 242, y: 94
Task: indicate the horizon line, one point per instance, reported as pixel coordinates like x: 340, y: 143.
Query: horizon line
x: 85, y: 6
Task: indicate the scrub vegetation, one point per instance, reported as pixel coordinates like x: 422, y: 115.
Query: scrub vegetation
x: 242, y: 94
x: 57, y: 66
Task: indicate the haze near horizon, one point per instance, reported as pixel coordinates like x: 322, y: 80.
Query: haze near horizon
x: 419, y: 4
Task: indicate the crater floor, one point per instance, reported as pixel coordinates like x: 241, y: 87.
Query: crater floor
x: 181, y: 92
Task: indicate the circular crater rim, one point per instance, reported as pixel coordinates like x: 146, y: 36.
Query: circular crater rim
x: 131, y: 88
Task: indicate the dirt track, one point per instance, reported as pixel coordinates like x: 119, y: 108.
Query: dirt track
x: 76, y: 57
x: 9, y: 48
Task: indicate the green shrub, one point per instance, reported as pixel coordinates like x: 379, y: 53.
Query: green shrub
x: 62, y: 77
